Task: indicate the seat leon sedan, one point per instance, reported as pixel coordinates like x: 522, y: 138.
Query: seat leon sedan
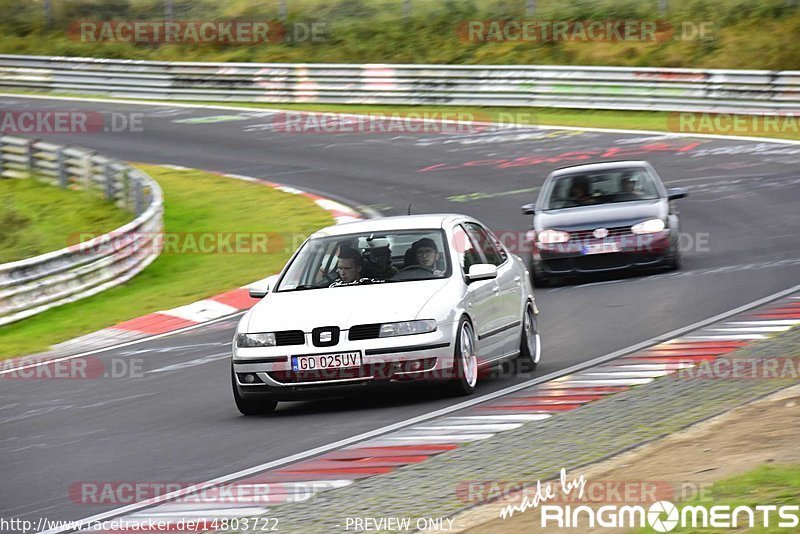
x: 420, y: 297
x: 603, y: 217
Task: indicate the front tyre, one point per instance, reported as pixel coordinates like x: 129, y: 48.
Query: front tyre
x: 256, y: 405
x: 530, y: 345
x: 465, y: 360
x: 674, y: 258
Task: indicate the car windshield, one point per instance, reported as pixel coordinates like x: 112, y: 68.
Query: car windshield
x: 368, y: 258
x: 604, y: 187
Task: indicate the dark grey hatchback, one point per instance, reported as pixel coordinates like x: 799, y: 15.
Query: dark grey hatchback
x: 603, y: 217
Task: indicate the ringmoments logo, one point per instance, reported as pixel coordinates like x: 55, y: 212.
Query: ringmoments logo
x: 661, y: 516
x: 664, y: 516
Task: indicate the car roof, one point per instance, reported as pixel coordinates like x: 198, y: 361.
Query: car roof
x: 401, y: 222
x: 597, y: 167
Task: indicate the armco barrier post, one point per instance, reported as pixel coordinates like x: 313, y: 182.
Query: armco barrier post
x: 108, y: 177
x: 29, y: 155
x: 137, y: 186
x: 62, y: 168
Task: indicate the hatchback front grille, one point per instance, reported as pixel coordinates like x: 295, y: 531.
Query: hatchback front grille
x: 589, y: 234
x: 364, y: 331
x: 290, y: 337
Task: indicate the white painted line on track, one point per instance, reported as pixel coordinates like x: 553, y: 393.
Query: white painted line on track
x: 577, y: 381
x: 120, y: 345
x: 627, y: 374
x: 766, y: 322
x: 375, y: 434
x: 167, y: 103
x: 525, y: 417
x: 729, y: 337
x: 444, y: 438
x: 753, y: 329
x: 191, y: 363
x: 489, y: 427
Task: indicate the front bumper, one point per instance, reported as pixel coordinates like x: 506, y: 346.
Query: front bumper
x: 383, y: 360
x: 634, y: 251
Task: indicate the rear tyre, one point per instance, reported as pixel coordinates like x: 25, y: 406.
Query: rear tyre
x: 530, y: 345
x: 465, y: 361
x: 256, y: 405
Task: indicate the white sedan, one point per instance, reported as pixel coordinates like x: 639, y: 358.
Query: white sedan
x: 420, y: 297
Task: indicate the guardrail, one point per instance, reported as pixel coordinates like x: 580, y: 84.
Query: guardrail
x: 740, y: 91
x: 33, y: 285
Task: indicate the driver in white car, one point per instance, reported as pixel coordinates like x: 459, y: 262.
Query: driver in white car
x: 427, y: 255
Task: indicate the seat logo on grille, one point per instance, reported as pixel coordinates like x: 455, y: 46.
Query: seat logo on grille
x: 326, y: 337
x: 600, y: 233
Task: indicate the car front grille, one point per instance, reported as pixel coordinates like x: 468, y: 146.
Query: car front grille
x: 588, y: 234
x: 364, y: 331
x: 290, y: 337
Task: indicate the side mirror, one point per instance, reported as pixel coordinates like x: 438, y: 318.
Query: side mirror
x: 481, y: 271
x: 260, y: 289
x: 529, y: 209
x: 677, y: 192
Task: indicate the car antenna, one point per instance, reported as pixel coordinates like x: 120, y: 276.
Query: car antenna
x: 409, y: 208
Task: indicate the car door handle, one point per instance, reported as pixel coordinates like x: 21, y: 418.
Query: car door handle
x: 495, y: 289
x: 516, y: 278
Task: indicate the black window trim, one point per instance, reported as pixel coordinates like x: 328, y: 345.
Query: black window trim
x: 495, y: 242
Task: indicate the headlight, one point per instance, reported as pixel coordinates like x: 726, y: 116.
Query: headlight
x: 255, y: 340
x: 406, y: 328
x: 648, y: 227
x: 550, y: 237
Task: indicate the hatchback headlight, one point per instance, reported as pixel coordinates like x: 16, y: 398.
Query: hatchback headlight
x: 551, y: 237
x: 406, y: 328
x: 255, y: 340
x: 648, y: 227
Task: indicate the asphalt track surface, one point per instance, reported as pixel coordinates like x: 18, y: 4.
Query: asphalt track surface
x: 178, y: 422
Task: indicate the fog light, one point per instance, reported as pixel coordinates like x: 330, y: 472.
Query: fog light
x: 249, y: 378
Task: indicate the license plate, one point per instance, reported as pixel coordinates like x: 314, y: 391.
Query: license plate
x: 338, y: 360
x: 601, y: 248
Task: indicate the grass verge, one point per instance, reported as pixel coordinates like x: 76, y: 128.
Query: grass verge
x: 660, y: 121
x: 33, y: 216
x: 196, y: 203
x: 776, y: 485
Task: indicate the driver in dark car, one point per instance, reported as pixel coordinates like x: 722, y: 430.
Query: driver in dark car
x: 427, y: 255
x: 579, y: 192
x: 629, y: 189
